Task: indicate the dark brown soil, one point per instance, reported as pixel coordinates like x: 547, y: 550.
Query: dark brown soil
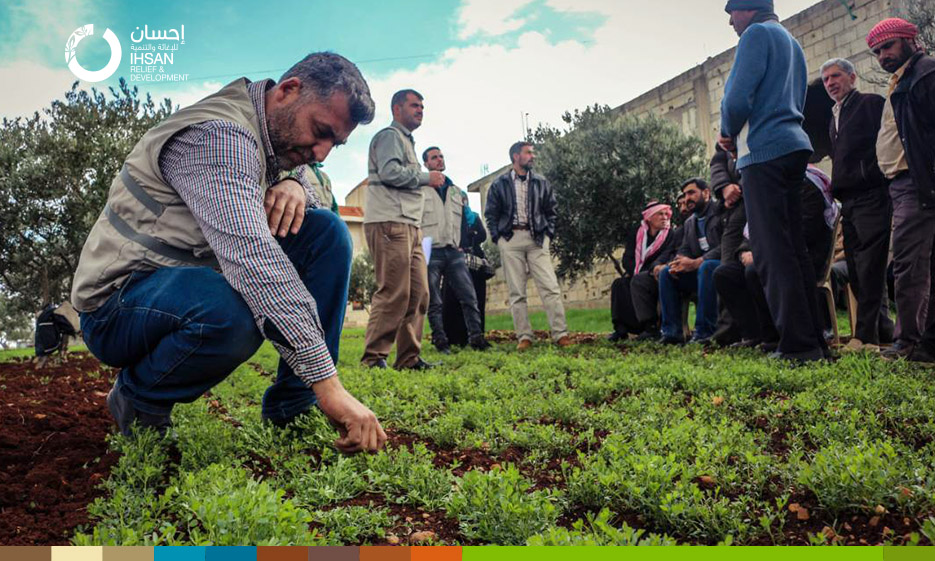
x: 53, y: 449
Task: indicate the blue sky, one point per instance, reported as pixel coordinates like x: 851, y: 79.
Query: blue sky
x: 481, y: 64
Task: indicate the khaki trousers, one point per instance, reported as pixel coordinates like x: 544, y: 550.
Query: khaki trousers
x: 518, y: 255
x: 398, y: 307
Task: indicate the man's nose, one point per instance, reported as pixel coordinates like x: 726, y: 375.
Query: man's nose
x: 322, y: 149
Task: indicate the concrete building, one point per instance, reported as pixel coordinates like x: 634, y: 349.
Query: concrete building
x: 692, y: 100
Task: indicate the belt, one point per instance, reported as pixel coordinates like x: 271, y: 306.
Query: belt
x: 520, y: 226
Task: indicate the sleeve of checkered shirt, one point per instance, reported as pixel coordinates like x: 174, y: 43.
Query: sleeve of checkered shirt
x: 215, y: 168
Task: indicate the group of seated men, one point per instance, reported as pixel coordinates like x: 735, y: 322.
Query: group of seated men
x: 708, y: 260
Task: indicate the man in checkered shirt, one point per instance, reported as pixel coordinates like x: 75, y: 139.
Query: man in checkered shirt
x: 201, y: 253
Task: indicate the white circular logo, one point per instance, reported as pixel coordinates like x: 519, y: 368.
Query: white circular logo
x: 98, y: 75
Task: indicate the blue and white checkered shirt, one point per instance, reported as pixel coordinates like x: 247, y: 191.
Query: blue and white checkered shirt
x: 215, y: 168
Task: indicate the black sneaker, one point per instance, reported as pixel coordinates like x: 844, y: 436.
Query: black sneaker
x: 420, y: 364
x: 923, y: 355
x: 648, y: 335
x: 125, y: 414
x: 667, y: 340
x: 900, y: 349
x: 445, y: 350
x: 616, y: 336
x: 378, y: 364
x: 479, y: 343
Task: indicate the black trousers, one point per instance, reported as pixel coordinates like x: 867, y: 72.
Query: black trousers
x: 453, y: 314
x: 773, y: 200
x: 449, y: 263
x: 622, y: 314
x: 866, y: 224
x: 644, y: 294
x: 741, y: 291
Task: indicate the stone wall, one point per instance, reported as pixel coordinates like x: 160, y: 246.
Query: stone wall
x: 692, y: 100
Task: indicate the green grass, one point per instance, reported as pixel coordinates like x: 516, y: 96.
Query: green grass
x: 591, y: 321
x: 30, y: 352
x: 594, y: 444
x: 598, y: 321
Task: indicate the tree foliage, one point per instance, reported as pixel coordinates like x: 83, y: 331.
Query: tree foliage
x: 363, y: 280
x: 55, y: 171
x: 604, y: 169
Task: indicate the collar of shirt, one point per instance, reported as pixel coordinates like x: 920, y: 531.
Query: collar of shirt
x: 897, y: 76
x: 257, y: 92
x: 836, y: 110
x: 837, y: 106
x: 514, y: 176
x: 396, y: 124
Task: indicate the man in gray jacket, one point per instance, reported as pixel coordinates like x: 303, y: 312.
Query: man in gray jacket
x: 392, y: 219
x: 442, y: 221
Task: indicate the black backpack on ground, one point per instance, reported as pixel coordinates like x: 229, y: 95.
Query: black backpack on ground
x: 51, y: 331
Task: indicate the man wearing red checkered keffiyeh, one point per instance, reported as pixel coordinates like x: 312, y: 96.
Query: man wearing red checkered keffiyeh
x: 906, y: 155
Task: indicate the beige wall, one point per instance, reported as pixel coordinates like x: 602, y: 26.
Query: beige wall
x: 692, y: 100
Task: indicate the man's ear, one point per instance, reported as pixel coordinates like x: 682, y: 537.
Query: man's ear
x: 287, y: 90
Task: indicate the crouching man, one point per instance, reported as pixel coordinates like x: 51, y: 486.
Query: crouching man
x: 200, y: 254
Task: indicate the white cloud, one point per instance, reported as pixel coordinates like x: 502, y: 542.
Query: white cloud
x: 475, y: 95
x: 490, y: 17
x: 35, y: 87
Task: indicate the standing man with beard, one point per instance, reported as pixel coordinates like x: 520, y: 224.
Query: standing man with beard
x: 906, y: 153
x: 443, y: 221
x: 182, y: 276
x: 761, y: 120
x: 392, y: 219
x: 520, y: 217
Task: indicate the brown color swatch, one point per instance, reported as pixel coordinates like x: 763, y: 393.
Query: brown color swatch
x: 334, y: 553
x: 123, y: 553
x: 24, y: 553
x: 384, y: 553
x: 271, y: 553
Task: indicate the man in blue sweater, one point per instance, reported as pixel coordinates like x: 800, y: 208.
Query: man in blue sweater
x: 761, y: 121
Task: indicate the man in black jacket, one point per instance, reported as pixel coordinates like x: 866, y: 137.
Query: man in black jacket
x: 520, y: 216
x: 692, y: 270
x: 648, y: 248
x: 906, y: 155
x: 861, y: 187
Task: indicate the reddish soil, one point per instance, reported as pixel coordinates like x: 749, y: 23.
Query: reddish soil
x: 53, y: 449
x: 507, y: 336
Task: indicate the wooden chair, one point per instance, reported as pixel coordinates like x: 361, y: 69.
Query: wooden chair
x: 824, y: 284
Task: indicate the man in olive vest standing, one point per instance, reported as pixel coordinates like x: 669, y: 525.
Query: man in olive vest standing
x: 443, y: 221
x: 393, y: 207
x: 182, y: 277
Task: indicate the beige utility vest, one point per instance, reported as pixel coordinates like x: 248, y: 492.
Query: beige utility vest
x: 145, y: 225
x: 383, y: 203
x: 441, y: 220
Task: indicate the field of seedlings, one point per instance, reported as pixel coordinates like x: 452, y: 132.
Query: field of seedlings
x: 596, y: 444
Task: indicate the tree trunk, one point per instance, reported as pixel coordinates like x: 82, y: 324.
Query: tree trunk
x: 617, y: 265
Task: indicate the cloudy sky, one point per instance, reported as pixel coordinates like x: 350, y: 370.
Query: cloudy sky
x: 481, y: 64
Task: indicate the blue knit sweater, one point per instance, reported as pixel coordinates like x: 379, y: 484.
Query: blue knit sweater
x: 765, y: 95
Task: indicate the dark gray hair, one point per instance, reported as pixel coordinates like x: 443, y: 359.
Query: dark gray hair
x: 842, y: 63
x: 401, y: 96
x: 517, y: 147
x: 327, y: 73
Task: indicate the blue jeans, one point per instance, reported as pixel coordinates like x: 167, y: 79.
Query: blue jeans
x: 671, y: 289
x: 177, y: 331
